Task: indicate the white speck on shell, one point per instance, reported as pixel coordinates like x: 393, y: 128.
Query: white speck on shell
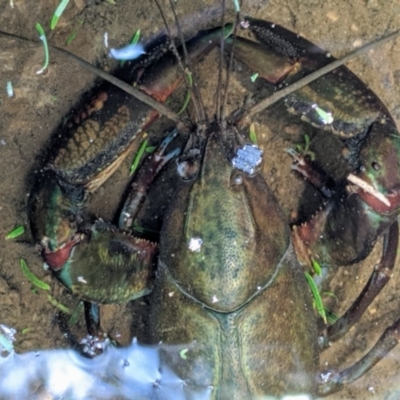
x: 81, y: 279
x: 195, y: 244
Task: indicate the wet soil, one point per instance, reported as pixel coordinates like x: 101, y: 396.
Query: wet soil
x: 40, y: 102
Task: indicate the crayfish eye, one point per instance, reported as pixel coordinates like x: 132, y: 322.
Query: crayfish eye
x: 376, y: 166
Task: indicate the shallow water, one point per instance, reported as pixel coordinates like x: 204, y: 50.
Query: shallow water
x: 40, y: 102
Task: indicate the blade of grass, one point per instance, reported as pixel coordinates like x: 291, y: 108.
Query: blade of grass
x: 139, y: 229
x: 253, y: 134
x: 57, y: 13
x: 72, y: 35
x: 150, y: 149
x: 317, y: 297
x: 187, y: 96
x: 73, y: 319
x: 316, y: 267
x: 32, y: 277
x: 59, y: 305
x: 331, y: 317
x: 138, y: 157
x: 42, y: 37
x: 18, y: 231
x: 134, y: 40
x: 254, y: 77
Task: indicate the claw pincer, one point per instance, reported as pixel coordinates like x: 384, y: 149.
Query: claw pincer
x: 75, y: 247
x: 366, y: 201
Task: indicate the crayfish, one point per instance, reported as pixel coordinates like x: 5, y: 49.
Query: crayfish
x: 216, y: 279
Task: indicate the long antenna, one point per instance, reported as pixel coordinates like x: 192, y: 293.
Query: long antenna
x: 221, y: 60
x: 198, y: 107
x: 269, y: 101
x: 229, y: 70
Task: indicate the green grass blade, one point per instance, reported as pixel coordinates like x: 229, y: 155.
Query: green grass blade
x: 139, y: 229
x: 138, y: 157
x: 32, y: 277
x: 18, y: 231
x: 317, y: 297
x: 150, y: 149
x: 60, y: 306
x: 253, y: 134
x: 331, y: 317
x: 254, y: 77
x: 187, y: 96
x: 236, y: 5
x: 76, y: 314
x: 136, y: 37
x: 316, y: 267
x: 45, y: 46
x: 133, y: 41
x: 72, y: 35
x: 57, y: 13
x: 182, y: 354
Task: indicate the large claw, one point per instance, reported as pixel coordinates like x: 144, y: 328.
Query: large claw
x: 96, y: 261
x: 367, y: 200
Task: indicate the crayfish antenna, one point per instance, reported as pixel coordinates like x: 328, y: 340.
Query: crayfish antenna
x: 198, y: 105
x: 221, y: 60
x: 221, y: 111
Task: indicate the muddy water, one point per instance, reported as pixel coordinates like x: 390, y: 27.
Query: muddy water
x: 40, y: 102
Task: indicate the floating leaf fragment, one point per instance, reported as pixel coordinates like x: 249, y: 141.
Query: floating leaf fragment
x: 150, y: 149
x: 254, y: 77
x: 183, y: 353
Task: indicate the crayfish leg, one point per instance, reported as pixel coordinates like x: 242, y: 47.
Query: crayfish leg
x: 331, y: 382
x: 141, y: 184
x: 377, y: 281
x: 95, y: 342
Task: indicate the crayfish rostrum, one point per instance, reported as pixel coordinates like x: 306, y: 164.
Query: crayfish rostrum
x: 225, y: 258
